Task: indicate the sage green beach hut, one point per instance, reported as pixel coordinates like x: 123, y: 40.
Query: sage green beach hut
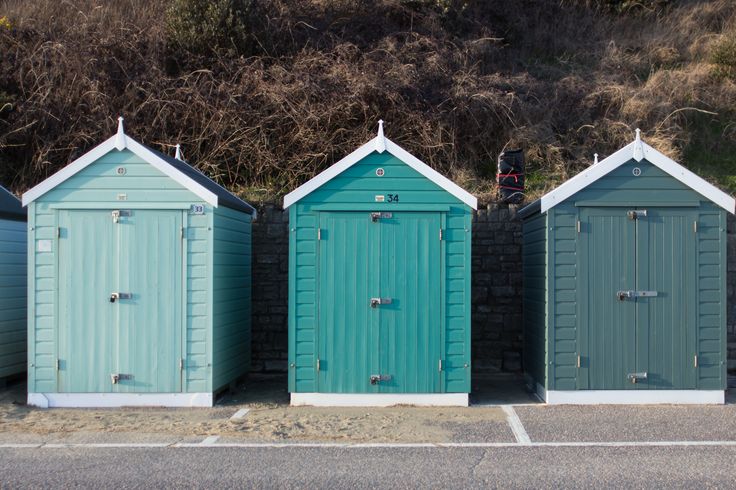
x: 625, y: 284
x: 379, y: 283
x: 139, y: 282
x: 12, y: 286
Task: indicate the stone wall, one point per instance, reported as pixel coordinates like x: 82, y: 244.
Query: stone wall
x: 496, y: 292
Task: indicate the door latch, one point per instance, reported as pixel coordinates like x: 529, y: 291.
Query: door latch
x: 117, y: 377
x: 622, y: 295
x: 636, y: 377
x: 377, y: 378
x: 119, y: 213
x: 636, y: 214
x: 375, y: 216
x: 380, y: 301
x: 116, y: 296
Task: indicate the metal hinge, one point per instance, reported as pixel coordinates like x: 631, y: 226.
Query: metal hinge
x: 319, y: 233
x: 439, y: 365
x: 181, y: 233
x: 441, y: 235
x: 578, y: 226
x: 58, y: 232
x: 695, y: 360
x: 317, y: 364
x: 58, y: 364
x: 181, y: 364
x: 578, y: 361
x: 695, y: 226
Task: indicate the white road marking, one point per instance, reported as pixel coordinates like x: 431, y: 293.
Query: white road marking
x: 398, y: 445
x: 516, y: 426
x: 240, y: 414
x: 208, y: 441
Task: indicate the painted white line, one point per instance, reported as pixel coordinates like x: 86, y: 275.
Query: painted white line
x: 240, y: 414
x: 330, y: 445
x: 208, y: 441
x: 516, y: 426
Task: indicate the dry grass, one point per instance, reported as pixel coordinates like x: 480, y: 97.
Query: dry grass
x: 562, y: 79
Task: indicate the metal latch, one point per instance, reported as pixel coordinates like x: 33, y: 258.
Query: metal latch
x: 115, y: 378
x: 637, y: 213
x: 380, y: 301
x: 120, y: 213
x: 116, y: 296
x: 635, y: 377
x: 622, y: 295
x: 376, y: 378
x: 382, y: 215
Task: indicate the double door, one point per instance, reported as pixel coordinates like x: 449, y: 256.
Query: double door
x: 380, y: 302
x: 119, y: 301
x: 637, y: 288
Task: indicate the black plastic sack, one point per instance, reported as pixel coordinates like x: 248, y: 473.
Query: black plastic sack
x: 510, y: 175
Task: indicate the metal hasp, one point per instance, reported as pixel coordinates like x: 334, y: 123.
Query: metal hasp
x: 635, y: 214
x: 380, y: 301
x: 622, y: 295
x: 116, y: 296
x: 382, y: 215
x: 116, y: 377
x: 635, y: 377
x: 377, y: 378
x: 120, y: 213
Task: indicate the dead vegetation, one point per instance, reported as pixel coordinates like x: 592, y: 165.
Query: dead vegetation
x: 264, y: 94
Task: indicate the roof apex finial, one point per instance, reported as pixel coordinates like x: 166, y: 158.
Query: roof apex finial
x: 638, y: 147
x: 380, y: 139
x: 120, y: 136
x: 595, y: 158
x: 177, y: 155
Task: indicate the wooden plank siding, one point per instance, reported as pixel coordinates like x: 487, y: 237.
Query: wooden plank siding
x: 355, y: 189
x: 534, y: 269
x: 12, y: 297
x: 231, y: 321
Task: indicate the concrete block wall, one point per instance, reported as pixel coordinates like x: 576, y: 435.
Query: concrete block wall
x: 496, y: 292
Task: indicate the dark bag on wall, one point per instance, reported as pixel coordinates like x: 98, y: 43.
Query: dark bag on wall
x: 510, y: 176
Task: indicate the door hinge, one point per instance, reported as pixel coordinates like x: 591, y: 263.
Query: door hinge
x: 319, y: 233
x: 181, y: 233
x: 695, y: 226
x: 58, y: 364
x: 58, y: 232
x: 578, y: 226
x: 439, y: 366
x: 695, y: 360
x: 578, y: 361
x: 441, y: 234
x: 317, y: 364
x: 181, y: 364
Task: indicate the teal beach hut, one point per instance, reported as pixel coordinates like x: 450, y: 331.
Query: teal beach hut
x: 139, y: 282
x: 379, y: 283
x: 12, y: 286
x: 625, y: 284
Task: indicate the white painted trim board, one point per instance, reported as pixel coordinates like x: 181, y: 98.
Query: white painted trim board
x: 115, y: 400
x: 379, y: 399
x: 635, y: 397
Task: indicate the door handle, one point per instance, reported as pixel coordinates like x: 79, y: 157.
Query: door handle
x: 116, y: 296
x: 380, y: 301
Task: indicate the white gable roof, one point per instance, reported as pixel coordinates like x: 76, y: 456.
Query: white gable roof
x: 638, y: 150
x: 380, y: 144
x: 196, y: 182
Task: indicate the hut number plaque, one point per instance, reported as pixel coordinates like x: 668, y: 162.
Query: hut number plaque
x: 196, y: 209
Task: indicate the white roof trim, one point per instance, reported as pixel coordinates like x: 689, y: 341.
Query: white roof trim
x: 113, y: 143
x: 374, y: 145
x: 638, y: 150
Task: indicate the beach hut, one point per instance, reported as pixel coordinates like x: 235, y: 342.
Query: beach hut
x: 625, y: 284
x: 379, y: 283
x: 12, y: 286
x: 139, y: 291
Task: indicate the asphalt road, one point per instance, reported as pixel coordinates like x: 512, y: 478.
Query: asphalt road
x: 508, y: 467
